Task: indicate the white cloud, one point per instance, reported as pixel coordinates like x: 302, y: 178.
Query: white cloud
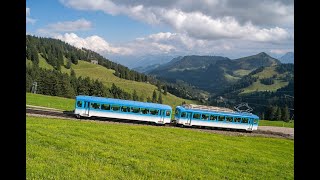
x: 28, y: 11
x: 28, y: 18
x: 66, y: 26
x: 280, y: 51
x: 94, y: 43
x: 200, y: 26
x: 207, y: 20
x: 271, y: 12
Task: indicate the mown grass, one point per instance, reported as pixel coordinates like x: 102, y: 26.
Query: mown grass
x: 266, y: 73
x: 50, y: 101
x: 276, y: 123
x: 241, y: 72
x: 65, y: 149
x: 258, y: 86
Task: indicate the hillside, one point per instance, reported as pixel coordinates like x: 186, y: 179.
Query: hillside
x: 212, y: 73
x: 268, y: 72
x: 106, y: 76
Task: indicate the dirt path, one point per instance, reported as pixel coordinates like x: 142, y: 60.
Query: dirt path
x: 283, y: 130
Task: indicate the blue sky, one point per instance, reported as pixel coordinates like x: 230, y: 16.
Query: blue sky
x: 123, y: 28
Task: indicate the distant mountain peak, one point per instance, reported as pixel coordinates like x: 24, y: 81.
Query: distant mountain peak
x: 287, y: 58
x: 263, y: 54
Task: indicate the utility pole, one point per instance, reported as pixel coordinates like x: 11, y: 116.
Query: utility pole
x: 34, y: 88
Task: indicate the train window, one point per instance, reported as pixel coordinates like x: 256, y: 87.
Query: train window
x: 144, y: 111
x: 95, y: 105
x: 237, y: 119
x: 115, y: 107
x: 196, y: 116
x: 183, y: 114
x: 167, y: 113
x: 79, y: 103
x: 229, y: 119
x: 177, y: 112
x: 205, y: 116
x: 125, y: 109
x: 213, y: 117
x: 221, y: 118
x: 255, y: 121
x: 154, y: 111
x: 105, y: 106
x: 244, y: 120
x: 135, y: 110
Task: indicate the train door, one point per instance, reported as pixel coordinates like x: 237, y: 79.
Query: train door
x: 86, y: 108
x: 162, y: 116
x: 250, y: 123
x: 189, y: 116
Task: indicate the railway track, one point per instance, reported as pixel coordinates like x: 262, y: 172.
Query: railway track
x: 69, y: 115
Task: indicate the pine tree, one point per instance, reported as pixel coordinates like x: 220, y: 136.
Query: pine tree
x: 72, y: 73
x: 73, y: 58
x: 285, y: 114
x: 160, y: 98
x: 278, y: 114
x: 141, y: 98
x: 272, y: 112
x: 28, y: 82
x: 165, y: 90
x: 159, y: 86
x: 34, y: 55
x: 154, y: 96
x: 135, y: 96
x: 68, y: 65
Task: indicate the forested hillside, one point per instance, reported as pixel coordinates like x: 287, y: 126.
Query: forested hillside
x: 75, y: 76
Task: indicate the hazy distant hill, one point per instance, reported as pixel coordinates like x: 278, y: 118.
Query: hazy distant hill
x: 287, y: 58
x: 140, y: 63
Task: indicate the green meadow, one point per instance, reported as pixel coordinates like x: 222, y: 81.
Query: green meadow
x: 50, y: 101
x: 74, y: 149
x: 276, y: 123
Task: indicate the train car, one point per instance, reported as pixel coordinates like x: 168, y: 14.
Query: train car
x: 88, y: 106
x: 210, y: 116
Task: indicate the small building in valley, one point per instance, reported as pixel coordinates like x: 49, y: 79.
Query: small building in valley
x: 94, y: 61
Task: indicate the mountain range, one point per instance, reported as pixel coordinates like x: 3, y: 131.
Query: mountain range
x: 211, y: 73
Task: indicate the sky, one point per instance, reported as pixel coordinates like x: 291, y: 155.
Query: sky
x: 122, y: 29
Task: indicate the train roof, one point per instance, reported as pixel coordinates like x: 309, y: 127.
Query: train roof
x: 218, y: 110
x: 123, y: 102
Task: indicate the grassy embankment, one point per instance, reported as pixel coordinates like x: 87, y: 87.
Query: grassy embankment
x: 64, y: 149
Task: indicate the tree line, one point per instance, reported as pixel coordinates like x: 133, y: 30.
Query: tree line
x: 266, y: 104
x: 55, y: 52
x: 55, y: 83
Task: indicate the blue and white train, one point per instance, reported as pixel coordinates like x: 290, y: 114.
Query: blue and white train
x: 210, y: 116
x: 88, y: 106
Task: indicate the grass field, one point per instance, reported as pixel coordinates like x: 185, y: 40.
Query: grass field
x: 64, y: 149
x: 241, y: 72
x: 266, y: 73
x: 258, y: 86
x: 106, y: 76
x: 276, y: 123
x: 50, y: 101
